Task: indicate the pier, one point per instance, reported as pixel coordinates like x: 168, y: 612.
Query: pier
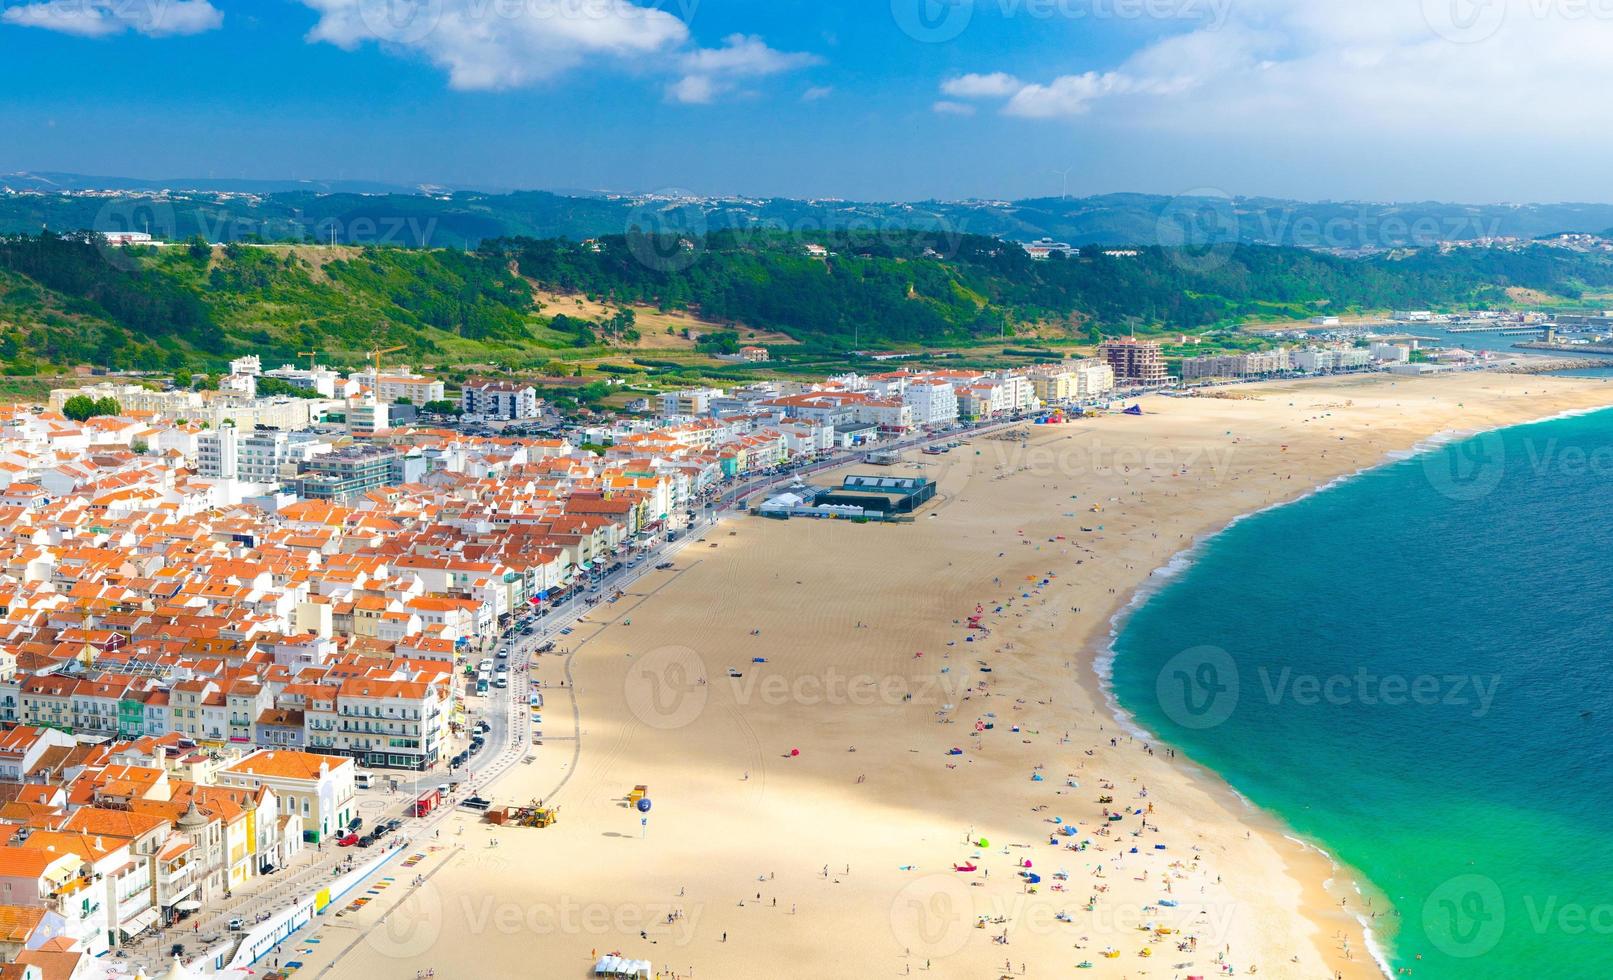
x: 1505, y: 331
x: 1566, y: 348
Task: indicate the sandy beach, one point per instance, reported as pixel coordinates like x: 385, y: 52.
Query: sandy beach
x: 809, y: 815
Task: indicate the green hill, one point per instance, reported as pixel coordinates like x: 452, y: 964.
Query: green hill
x: 69, y: 300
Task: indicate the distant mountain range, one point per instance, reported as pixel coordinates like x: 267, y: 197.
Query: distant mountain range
x: 364, y: 212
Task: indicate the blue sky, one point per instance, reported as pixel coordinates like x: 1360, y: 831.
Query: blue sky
x: 1479, y: 100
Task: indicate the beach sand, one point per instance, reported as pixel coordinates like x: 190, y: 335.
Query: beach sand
x: 838, y: 861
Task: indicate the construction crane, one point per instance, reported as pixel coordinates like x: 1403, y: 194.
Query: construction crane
x: 376, y: 354
x: 310, y: 354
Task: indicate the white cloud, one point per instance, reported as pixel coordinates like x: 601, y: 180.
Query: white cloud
x: 493, y: 45
x: 994, y: 85
x: 102, y: 18
x: 693, y: 90
x: 817, y: 92
x: 1072, y: 95
x: 1512, y: 69
x: 712, y: 72
x: 488, y: 45
x: 949, y: 108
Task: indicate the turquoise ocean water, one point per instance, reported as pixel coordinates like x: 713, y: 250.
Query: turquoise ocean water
x: 1413, y: 668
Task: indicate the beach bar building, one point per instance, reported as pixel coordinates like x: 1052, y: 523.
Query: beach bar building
x: 882, y: 494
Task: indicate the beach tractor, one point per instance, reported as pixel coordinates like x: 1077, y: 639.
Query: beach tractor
x: 534, y: 815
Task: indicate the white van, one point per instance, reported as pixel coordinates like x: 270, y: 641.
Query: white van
x: 363, y: 780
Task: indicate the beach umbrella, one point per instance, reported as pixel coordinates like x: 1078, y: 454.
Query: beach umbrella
x: 177, y: 971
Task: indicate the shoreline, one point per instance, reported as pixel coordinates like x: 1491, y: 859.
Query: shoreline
x: 733, y: 804
x: 1379, y: 946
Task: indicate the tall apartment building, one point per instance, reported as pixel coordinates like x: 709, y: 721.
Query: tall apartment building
x: 694, y: 401
x: 1251, y: 365
x: 1332, y: 359
x: 401, y: 383
x: 217, y: 454
x: 934, y: 401
x: 319, y: 379
x: 260, y: 456
x: 1135, y: 362
x: 500, y: 400
x: 347, y: 473
x: 1076, y: 381
x: 368, y: 417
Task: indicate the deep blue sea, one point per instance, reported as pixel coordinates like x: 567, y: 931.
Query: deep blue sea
x: 1414, y: 669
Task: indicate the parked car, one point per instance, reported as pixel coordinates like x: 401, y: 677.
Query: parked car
x: 354, y: 824
x: 347, y: 840
x: 237, y: 924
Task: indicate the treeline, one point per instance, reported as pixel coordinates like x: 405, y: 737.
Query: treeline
x: 87, y: 270
x: 76, y: 300
x: 931, y: 287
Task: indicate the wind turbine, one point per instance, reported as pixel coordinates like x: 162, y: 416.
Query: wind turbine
x: 1065, y: 176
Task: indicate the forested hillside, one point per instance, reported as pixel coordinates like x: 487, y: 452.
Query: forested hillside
x: 927, y: 287
x: 68, y: 300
